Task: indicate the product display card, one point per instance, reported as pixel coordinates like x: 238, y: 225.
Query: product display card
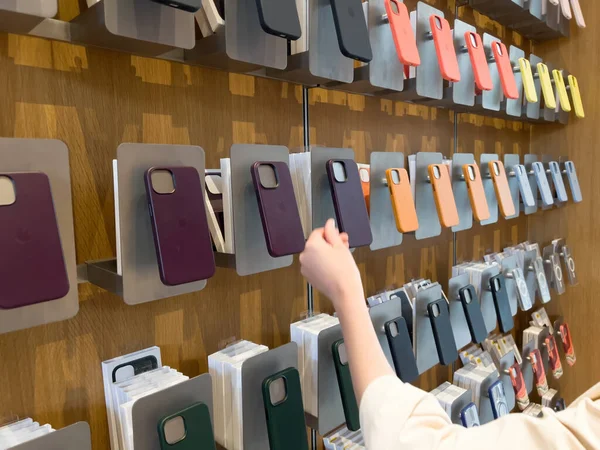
x: 343, y: 438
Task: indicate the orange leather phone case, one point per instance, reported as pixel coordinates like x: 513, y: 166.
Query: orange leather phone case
x: 444, y: 197
x: 479, y: 204
x: 507, y: 207
x: 481, y: 70
x: 444, y: 47
x: 403, y: 204
x: 365, y: 183
x: 507, y: 76
x: 402, y: 32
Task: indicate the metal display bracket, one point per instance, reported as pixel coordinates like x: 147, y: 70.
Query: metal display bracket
x: 552, y: 272
x: 486, y: 298
x: 458, y: 405
x: 18, y: 15
x: 508, y: 264
x: 461, y: 191
x: 532, y: 110
x: 488, y: 187
x: 380, y: 315
x: 528, y: 161
x: 458, y: 320
x: 429, y: 222
x: 546, y: 160
x: 486, y: 414
x: 73, y: 437
x: 514, y: 107
x: 490, y: 100
x: 530, y: 276
x: 510, y: 161
x: 424, y: 346
x: 504, y: 364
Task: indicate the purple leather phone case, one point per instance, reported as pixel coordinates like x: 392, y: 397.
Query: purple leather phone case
x: 279, y: 211
x: 32, y: 266
x: 349, y: 204
x: 181, y: 235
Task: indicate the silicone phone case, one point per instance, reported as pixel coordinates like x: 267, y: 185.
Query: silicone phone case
x: 401, y: 350
x: 286, y: 424
x: 481, y: 70
x: 553, y: 357
x: 501, y: 303
x: 505, y: 70
x: 181, y: 235
x: 565, y: 335
x: 472, y: 309
x: 32, y: 266
x: 439, y: 316
x: 365, y: 184
x: 539, y: 372
x: 186, y: 5
x: 566, y: 9
x: 518, y: 383
x: 498, y: 400
x: 561, y: 89
x: 546, y: 83
x: 542, y: 181
x: 505, y: 202
x: 403, y: 204
x: 576, y: 96
x: 557, y: 179
x: 279, y: 18
x: 444, y: 197
x: 528, y: 81
x: 351, y: 29
x: 469, y: 416
x: 198, y: 429
x: 348, y: 201
x: 524, y: 186
x: 573, y: 182
x: 578, y: 13
x: 278, y: 211
x: 402, y: 32
x: 444, y: 47
x: 344, y: 378
x: 139, y: 366
x: 479, y: 204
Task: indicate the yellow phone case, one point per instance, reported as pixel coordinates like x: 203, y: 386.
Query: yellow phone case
x: 559, y: 81
x: 527, y: 77
x: 576, y: 96
x: 549, y: 98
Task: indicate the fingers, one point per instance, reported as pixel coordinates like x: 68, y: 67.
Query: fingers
x: 345, y: 239
x: 331, y: 234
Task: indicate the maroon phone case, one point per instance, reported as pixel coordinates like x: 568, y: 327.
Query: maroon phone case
x: 181, y: 235
x: 32, y: 266
x: 279, y: 211
x: 349, y: 204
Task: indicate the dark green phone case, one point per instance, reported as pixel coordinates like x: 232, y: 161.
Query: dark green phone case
x: 285, y: 420
x: 346, y: 389
x: 198, y: 429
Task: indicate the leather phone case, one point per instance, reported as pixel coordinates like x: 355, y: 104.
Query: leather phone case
x: 546, y: 84
x: 528, y: 81
x: 553, y: 357
x: 539, y: 372
x: 279, y: 18
x: 349, y: 205
x: 444, y: 47
x: 500, y: 180
x: 505, y: 70
x: 481, y: 70
x: 181, y: 235
x: 439, y: 317
x: 286, y: 424
x: 278, y: 210
x: 139, y: 366
x: 403, y: 205
x: 351, y: 29
x: 479, y: 203
x: 561, y: 89
x: 518, y: 384
x: 198, y: 429
x: 185, y: 5
x: 365, y: 184
x: 32, y: 265
x: 501, y: 303
x: 569, y: 349
x: 349, y: 404
x: 402, y: 33
x: 443, y: 195
x: 473, y: 314
x: 400, y: 345
x: 576, y: 96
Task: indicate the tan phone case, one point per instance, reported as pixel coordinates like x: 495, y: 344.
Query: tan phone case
x: 479, y: 204
x: 507, y: 207
x: 403, y: 204
x: 444, y: 197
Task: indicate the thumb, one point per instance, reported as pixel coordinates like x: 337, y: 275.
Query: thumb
x: 332, y: 235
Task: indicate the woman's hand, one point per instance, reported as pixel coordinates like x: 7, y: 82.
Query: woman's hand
x: 328, y: 265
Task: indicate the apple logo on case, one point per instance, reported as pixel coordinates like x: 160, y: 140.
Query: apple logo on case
x: 23, y: 236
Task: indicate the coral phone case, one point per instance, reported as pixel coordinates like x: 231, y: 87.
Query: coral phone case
x: 342, y: 370
x: 554, y: 357
x: 402, y: 32
x: 439, y: 316
x: 528, y: 82
x: 198, y: 429
x: 501, y: 303
x: 546, y: 83
x: 498, y: 172
x: 539, y: 372
x: 365, y: 184
x: 561, y: 89
x: 518, y: 383
x: 481, y: 70
x: 278, y: 209
x: 400, y: 344
x: 573, y: 182
x: 576, y: 96
x: 565, y: 335
x: 505, y: 70
x: 350, y: 209
x: 403, y: 204
x: 32, y: 265
x: 286, y: 424
x: 351, y: 29
x: 181, y: 235
x: 479, y: 204
x: 444, y: 197
x: 279, y: 18
x: 444, y: 47
x: 473, y: 314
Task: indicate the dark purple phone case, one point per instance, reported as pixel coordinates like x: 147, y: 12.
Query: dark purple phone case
x: 181, y: 235
x: 349, y: 204
x: 279, y: 211
x: 32, y: 266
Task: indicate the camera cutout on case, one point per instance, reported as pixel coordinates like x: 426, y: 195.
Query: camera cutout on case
x: 8, y: 193
x: 339, y: 172
x: 278, y: 391
x: 175, y: 430
x: 163, y: 181
x: 268, y: 176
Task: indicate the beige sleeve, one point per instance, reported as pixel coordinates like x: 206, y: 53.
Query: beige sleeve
x: 396, y: 416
